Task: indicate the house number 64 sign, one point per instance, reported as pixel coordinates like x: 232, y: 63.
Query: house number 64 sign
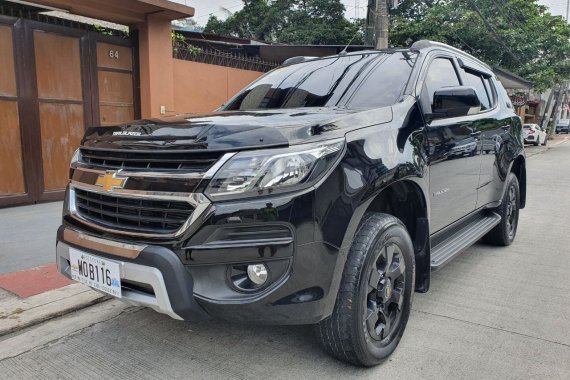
x: 113, y: 54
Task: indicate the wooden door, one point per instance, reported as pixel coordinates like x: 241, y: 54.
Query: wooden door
x: 60, y: 102
x: 115, y: 84
x: 12, y: 181
x: 55, y: 82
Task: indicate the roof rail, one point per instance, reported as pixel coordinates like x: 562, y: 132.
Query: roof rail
x: 298, y: 59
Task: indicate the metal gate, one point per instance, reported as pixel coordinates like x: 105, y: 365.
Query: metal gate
x: 55, y: 82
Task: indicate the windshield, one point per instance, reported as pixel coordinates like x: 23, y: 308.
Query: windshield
x: 359, y: 81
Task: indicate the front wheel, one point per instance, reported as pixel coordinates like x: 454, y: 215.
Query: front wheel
x: 374, y: 299
x: 504, y: 233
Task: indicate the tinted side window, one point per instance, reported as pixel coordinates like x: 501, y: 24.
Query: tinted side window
x: 475, y: 80
x: 385, y: 83
x: 441, y: 73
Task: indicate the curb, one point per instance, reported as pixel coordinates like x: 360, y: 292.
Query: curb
x: 557, y: 139
x: 46, y: 333
x: 18, y: 314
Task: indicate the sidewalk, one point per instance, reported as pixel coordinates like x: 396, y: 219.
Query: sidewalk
x: 32, y: 296
x: 558, y: 139
x: 31, y: 288
x: 18, y: 313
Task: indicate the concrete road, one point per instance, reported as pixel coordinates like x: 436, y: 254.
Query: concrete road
x: 492, y: 313
x: 27, y: 236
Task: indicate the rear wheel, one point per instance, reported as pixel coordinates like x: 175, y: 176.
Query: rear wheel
x: 504, y: 233
x: 545, y: 140
x: 374, y: 299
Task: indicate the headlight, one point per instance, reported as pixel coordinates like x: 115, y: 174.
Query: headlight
x: 76, y: 156
x: 263, y: 172
x: 74, y: 160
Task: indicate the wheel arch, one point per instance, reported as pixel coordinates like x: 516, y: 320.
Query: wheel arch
x: 518, y: 168
x: 405, y: 200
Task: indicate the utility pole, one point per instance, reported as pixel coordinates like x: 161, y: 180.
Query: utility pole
x: 547, y: 110
x: 381, y: 24
x: 565, y: 101
x: 567, y: 10
x: 559, y: 99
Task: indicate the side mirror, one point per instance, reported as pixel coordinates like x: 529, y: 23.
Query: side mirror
x: 455, y: 102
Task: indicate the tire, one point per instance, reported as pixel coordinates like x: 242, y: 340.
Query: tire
x: 505, y: 232
x: 545, y: 141
x: 372, y: 294
x: 537, y: 142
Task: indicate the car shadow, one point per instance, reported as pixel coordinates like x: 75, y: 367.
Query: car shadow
x: 245, y: 350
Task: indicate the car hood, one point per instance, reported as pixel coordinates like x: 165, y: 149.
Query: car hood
x: 231, y: 130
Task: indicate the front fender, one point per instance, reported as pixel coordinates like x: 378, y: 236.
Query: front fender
x: 375, y: 159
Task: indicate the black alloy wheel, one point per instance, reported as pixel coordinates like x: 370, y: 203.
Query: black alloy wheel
x: 505, y: 232
x: 374, y: 299
x: 386, y: 282
x: 512, y: 211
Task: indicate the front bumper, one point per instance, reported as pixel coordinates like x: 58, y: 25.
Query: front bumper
x: 154, y: 267
x: 304, y: 292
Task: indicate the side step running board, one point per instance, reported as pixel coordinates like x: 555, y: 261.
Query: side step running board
x: 462, y: 239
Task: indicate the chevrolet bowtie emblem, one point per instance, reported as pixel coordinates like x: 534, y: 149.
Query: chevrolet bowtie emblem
x: 109, y: 181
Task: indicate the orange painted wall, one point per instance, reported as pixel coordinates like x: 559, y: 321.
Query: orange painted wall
x: 155, y: 64
x: 201, y: 88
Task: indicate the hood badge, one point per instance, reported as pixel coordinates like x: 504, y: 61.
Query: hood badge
x: 126, y: 133
x: 110, y: 181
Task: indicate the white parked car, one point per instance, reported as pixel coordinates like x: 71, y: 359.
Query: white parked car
x: 534, y: 134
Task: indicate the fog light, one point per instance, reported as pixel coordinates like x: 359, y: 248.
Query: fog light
x: 257, y: 273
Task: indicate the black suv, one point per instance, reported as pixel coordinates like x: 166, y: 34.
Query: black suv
x: 324, y: 193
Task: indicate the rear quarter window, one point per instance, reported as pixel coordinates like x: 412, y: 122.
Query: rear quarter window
x: 503, y: 93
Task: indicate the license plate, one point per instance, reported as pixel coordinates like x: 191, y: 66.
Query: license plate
x: 96, y: 272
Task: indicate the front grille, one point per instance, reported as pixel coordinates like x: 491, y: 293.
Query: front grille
x: 157, y: 160
x: 132, y: 214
